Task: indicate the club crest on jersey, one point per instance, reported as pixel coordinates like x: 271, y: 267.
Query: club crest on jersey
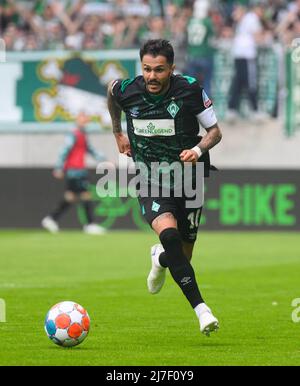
x: 206, y: 101
x: 155, y: 207
x: 173, y: 109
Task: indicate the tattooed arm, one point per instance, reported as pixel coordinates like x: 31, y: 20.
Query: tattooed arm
x: 115, y: 113
x: 211, y: 139
x: 114, y: 110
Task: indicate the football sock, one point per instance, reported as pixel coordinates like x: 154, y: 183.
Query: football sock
x: 88, y: 208
x: 62, y: 207
x: 163, y: 260
x: 180, y: 267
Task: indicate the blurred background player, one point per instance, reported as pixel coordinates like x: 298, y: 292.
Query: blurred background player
x: 72, y: 166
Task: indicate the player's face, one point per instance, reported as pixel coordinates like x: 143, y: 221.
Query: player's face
x: 82, y: 120
x: 157, y: 72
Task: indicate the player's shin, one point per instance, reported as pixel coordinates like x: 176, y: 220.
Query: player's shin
x: 88, y: 209
x: 180, y: 267
x: 60, y: 210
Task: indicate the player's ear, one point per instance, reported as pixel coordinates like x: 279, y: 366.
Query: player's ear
x: 173, y: 68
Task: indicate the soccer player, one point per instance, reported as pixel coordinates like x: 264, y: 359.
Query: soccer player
x: 163, y: 114
x: 72, y: 166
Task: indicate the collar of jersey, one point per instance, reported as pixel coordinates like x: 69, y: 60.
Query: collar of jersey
x: 156, y: 98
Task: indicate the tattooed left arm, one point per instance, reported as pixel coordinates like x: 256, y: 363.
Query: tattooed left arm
x: 211, y: 139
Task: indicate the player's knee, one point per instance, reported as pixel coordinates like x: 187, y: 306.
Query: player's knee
x: 171, y: 241
x: 85, y: 196
x: 164, y: 221
x: 170, y: 235
x: 70, y: 197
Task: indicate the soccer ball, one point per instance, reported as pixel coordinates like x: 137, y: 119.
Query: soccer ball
x: 67, y: 324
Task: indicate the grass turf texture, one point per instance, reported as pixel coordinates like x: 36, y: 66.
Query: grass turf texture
x: 241, y: 276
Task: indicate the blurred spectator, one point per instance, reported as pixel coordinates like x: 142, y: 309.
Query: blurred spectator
x: 107, y: 24
x: 276, y: 10
x: 248, y: 34
x: 289, y: 28
x: 178, y: 39
x: 196, y: 29
x: 294, y: 6
x: 8, y: 14
x: 157, y: 29
x: 200, y: 34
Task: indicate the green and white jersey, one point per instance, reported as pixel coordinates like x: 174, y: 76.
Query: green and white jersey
x: 200, y: 33
x: 160, y: 128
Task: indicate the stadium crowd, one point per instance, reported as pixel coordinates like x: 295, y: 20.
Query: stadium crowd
x: 104, y: 24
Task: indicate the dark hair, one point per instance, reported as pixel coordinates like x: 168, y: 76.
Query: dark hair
x: 158, y: 47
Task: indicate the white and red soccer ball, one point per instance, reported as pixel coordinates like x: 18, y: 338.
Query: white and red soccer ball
x: 67, y: 324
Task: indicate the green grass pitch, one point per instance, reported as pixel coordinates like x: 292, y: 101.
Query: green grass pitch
x: 248, y: 279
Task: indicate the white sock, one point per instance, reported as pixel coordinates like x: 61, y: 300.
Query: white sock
x: 200, y: 309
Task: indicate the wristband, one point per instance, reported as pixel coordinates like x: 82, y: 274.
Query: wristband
x: 197, y: 150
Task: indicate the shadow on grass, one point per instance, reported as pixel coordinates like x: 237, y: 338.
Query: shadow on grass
x: 212, y: 344
x: 63, y: 349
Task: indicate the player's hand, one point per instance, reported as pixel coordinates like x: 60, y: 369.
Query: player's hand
x: 59, y: 174
x: 189, y: 156
x: 123, y: 144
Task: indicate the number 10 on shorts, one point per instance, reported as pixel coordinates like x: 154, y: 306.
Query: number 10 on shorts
x: 194, y: 219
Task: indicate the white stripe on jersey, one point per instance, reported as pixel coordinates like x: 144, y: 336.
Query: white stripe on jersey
x: 112, y: 87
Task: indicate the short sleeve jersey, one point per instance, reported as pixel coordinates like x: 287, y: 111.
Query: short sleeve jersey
x: 160, y: 128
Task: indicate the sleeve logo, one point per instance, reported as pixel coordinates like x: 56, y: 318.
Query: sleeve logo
x: 206, y: 101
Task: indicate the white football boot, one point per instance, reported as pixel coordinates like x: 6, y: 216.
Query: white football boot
x: 157, y: 275
x: 94, y: 229
x: 50, y: 225
x: 208, y: 323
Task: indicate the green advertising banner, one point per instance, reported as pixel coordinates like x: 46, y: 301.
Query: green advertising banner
x: 234, y: 200
x: 45, y: 90
x: 293, y: 91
